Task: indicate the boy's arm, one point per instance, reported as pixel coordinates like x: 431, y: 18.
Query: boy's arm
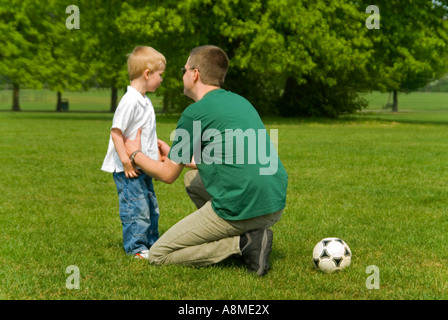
x: 117, y: 138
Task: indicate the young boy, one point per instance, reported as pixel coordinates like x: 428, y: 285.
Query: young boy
x: 139, y: 210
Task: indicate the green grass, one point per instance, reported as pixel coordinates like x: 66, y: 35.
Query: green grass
x: 380, y: 184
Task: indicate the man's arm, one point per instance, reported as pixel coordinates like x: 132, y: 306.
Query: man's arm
x: 164, y: 150
x: 192, y: 165
x: 166, y: 171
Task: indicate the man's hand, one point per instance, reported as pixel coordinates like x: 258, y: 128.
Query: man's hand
x: 133, y: 145
x: 164, y: 149
x: 166, y: 171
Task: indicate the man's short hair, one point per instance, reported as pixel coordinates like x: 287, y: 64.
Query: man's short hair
x: 142, y: 58
x: 212, y: 63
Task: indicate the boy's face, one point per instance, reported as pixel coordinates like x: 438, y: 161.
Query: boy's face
x: 153, y: 80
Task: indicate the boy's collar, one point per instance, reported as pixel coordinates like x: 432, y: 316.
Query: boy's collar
x: 140, y: 98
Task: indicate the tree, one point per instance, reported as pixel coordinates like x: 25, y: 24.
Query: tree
x: 67, y: 57
x: 72, y: 57
x: 21, y: 60
x: 410, y: 48
x: 173, y: 28
x: 109, y: 44
x: 292, y: 57
x: 37, y: 47
x: 274, y: 47
x: 313, y: 55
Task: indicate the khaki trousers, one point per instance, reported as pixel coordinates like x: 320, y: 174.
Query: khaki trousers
x: 203, y: 238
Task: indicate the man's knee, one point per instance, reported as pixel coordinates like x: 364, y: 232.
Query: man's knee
x: 189, y: 177
x: 156, y: 256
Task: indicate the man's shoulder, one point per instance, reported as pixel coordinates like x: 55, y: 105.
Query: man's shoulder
x: 193, y: 108
x: 208, y: 100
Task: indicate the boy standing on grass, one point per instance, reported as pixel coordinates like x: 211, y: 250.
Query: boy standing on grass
x: 139, y: 210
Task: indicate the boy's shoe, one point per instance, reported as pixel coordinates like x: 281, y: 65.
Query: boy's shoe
x: 257, y: 250
x: 144, y: 254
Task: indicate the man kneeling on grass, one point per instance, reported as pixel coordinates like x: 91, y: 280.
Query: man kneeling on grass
x: 237, y: 196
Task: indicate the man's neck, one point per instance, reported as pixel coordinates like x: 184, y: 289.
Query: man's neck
x: 203, y: 90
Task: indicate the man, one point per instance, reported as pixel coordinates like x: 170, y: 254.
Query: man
x: 237, y: 197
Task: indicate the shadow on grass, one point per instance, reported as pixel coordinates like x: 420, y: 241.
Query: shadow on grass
x: 405, y: 118
x: 80, y: 115
x: 421, y: 118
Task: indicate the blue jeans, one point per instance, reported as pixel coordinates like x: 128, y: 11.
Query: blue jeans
x: 139, y: 212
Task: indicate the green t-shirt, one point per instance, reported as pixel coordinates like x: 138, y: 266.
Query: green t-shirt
x: 234, y: 154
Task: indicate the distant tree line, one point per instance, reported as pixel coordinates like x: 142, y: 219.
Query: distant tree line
x: 288, y: 57
x: 440, y: 85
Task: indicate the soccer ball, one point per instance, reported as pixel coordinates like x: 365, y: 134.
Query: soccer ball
x: 331, y: 254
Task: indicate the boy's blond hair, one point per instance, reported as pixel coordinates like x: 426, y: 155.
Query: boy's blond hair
x: 142, y: 58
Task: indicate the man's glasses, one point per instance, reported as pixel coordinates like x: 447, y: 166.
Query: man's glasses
x: 185, y: 69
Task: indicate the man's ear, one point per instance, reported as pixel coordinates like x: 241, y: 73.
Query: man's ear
x: 196, y: 75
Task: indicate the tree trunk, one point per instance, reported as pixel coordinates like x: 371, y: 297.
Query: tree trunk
x: 395, y: 102
x: 15, y: 97
x: 289, y: 101
x: 58, y: 101
x: 165, y: 103
x: 113, y: 99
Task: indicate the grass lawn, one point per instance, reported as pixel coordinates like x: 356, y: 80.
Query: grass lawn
x: 379, y: 183
x: 415, y: 107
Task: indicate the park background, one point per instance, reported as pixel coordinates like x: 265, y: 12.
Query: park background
x: 362, y: 116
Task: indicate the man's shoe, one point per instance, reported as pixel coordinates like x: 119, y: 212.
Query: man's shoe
x: 257, y: 250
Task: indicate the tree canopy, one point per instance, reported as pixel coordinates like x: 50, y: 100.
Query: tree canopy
x: 412, y: 48
x: 289, y: 57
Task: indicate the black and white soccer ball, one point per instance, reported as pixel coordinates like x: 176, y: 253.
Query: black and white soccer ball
x: 331, y: 254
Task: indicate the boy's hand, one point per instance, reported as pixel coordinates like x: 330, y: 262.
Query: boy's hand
x: 131, y: 146
x: 130, y: 171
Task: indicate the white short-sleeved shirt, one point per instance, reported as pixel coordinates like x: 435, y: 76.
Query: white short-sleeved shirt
x: 133, y: 112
